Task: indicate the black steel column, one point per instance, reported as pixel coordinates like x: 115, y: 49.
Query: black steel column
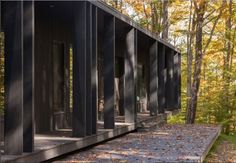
x: 109, y: 71
x: 28, y: 75
x: 88, y: 69
x: 179, y: 81
x: 94, y: 70
x: 130, y: 77
x: 176, y: 81
x: 122, y: 99
x: 153, y: 81
x: 161, y: 78
x: 170, y: 79
x: 79, y: 70
x: 13, y: 77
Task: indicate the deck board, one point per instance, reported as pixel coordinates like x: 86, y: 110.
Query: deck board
x: 169, y: 143
x: 53, y: 144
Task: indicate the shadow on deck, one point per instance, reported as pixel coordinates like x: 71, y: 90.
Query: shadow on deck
x: 57, y: 143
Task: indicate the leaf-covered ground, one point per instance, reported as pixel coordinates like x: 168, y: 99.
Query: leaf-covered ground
x: 170, y: 143
x: 224, y: 150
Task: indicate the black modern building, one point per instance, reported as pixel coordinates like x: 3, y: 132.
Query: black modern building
x: 69, y: 64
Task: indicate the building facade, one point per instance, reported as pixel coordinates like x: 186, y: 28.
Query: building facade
x: 70, y: 64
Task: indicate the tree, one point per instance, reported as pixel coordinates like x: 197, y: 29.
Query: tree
x: 190, y: 34
x: 165, y: 24
x: 227, y: 64
x: 200, y: 8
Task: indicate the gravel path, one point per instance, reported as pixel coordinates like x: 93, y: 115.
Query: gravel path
x: 170, y: 143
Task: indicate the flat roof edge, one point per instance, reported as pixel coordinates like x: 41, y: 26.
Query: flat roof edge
x: 105, y: 7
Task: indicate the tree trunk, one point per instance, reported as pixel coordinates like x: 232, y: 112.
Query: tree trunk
x: 228, y: 28
x: 154, y: 17
x: 146, y: 15
x: 191, y: 110
x: 160, y: 14
x: 189, y: 53
x: 165, y: 24
x: 121, y: 5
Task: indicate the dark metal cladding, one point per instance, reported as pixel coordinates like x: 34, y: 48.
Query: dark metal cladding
x: 176, y: 80
x: 13, y: 78
x: 79, y: 70
x: 28, y: 74
x: 130, y: 83
x: 153, y: 82
x: 109, y: 71
x: 88, y: 69
x: 170, y: 79
x: 94, y: 74
x: 179, y: 81
x: 161, y: 78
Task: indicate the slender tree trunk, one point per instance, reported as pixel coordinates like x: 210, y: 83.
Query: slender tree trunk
x: 165, y: 24
x: 153, y: 17
x: 232, y: 49
x: 189, y: 53
x: 191, y: 111
x: 146, y: 15
x: 157, y: 31
x: 115, y: 4
x: 200, y: 6
x: 121, y: 5
x: 227, y: 64
x: 160, y: 14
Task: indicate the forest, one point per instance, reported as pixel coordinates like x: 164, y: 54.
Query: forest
x: 205, y: 32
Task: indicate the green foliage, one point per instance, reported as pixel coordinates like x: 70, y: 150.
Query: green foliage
x: 217, y: 96
x: 231, y: 138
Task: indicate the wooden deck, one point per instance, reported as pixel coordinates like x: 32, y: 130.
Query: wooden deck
x: 57, y: 143
x: 166, y: 143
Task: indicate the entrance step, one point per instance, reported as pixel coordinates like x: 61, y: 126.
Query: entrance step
x: 152, y: 124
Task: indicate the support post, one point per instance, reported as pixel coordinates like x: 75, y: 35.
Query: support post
x: 179, y: 80
x: 19, y: 44
x: 79, y: 71
x: 121, y: 101
x: 170, y: 79
x: 109, y: 71
x: 13, y: 77
x: 130, y: 77
x: 161, y: 78
x: 28, y: 76
x: 176, y: 81
x: 94, y: 70
x: 88, y: 69
x: 153, y: 81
